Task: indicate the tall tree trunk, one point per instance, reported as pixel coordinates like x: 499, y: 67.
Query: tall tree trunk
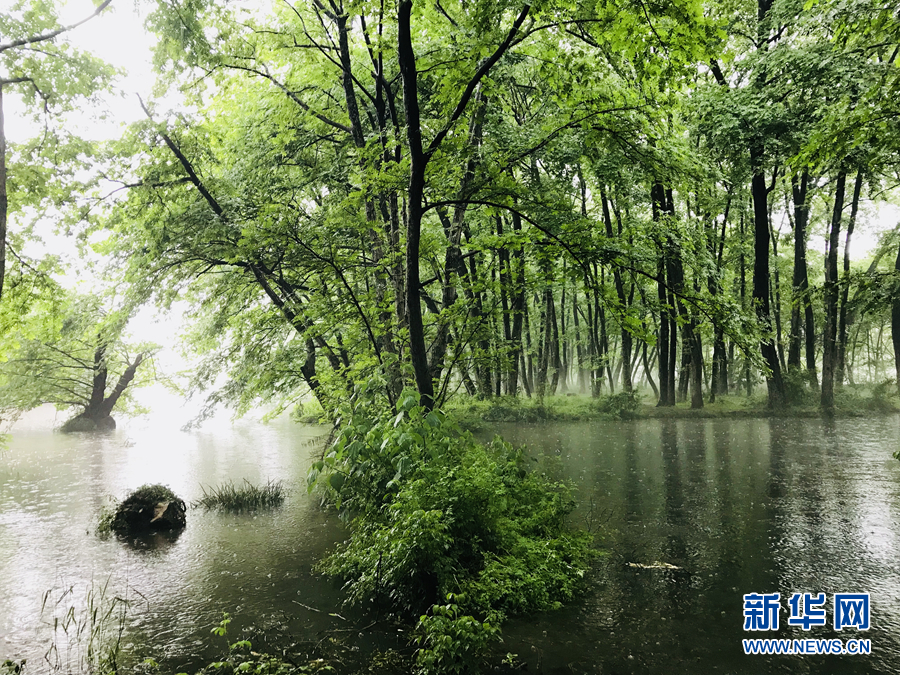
x: 843, y: 320
x: 623, y: 300
x: 555, y: 362
x: 4, y: 199
x: 647, y: 369
x: 563, y: 339
x: 658, y: 203
x: 776, y: 293
x: 415, y: 192
x: 895, y: 324
x: 517, y: 279
x: 696, y: 367
x: 829, y: 340
x: 579, y: 346
x: 802, y: 318
x: 675, y: 274
x: 719, y: 378
x: 761, y: 246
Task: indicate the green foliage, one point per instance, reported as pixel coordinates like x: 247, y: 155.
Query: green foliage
x: 87, y: 633
x: 246, y: 497
x: 451, y: 642
x: 859, y: 399
x: 797, y: 388
x: 623, y: 405
x: 435, y: 513
x: 66, y: 349
x: 242, y: 658
x: 107, y: 517
x: 11, y: 667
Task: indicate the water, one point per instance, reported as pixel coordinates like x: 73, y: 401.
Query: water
x: 257, y: 567
x: 740, y: 506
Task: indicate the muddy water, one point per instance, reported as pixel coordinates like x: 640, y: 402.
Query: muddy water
x: 739, y: 506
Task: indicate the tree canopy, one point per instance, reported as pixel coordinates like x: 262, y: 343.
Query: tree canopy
x: 506, y: 198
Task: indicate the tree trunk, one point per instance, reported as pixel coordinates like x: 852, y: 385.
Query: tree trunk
x: 829, y: 340
x: 802, y: 318
x: 843, y: 320
x: 110, y: 401
x: 647, y: 372
x: 895, y: 325
x: 761, y: 246
x: 4, y: 199
x: 658, y: 202
x: 696, y: 366
x: 415, y: 191
x: 623, y: 301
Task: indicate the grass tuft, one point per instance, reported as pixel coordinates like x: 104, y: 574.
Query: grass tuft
x: 246, y: 497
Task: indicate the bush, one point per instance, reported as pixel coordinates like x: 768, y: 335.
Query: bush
x: 435, y: 515
x: 623, y: 405
x: 880, y: 400
x: 451, y: 643
x: 798, y: 389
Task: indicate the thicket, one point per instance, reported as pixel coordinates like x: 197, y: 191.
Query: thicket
x: 457, y: 534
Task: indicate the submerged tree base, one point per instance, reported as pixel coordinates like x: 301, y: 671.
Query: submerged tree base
x: 83, y: 423
x: 149, y: 509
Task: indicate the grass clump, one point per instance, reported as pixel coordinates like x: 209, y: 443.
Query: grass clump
x: 245, y: 497
x: 107, y: 517
x: 448, y: 534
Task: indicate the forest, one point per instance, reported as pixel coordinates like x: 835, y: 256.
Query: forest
x: 371, y: 210
x: 493, y: 199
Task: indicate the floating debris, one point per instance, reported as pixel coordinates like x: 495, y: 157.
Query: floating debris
x: 655, y: 565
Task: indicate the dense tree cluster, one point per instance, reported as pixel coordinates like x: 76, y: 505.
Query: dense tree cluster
x: 520, y: 199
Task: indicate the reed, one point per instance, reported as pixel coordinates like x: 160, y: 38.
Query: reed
x: 242, y: 497
x: 86, y: 634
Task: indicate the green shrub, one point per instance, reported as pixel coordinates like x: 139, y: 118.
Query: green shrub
x: 435, y: 513
x: 798, y: 388
x: 623, y: 405
x: 453, y: 643
x: 882, y: 393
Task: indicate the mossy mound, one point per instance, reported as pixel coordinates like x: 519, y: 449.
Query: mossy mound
x: 83, y: 423
x: 150, y: 508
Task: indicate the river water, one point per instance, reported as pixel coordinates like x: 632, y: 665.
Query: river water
x: 747, y: 506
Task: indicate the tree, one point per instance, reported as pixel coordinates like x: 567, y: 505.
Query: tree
x: 48, y: 73
x: 71, y: 353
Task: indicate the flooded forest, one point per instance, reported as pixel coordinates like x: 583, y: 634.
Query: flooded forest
x: 449, y: 336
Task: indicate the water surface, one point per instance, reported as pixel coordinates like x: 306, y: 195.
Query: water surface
x: 740, y: 506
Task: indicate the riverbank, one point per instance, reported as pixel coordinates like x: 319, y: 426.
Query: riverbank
x: 479, y: 415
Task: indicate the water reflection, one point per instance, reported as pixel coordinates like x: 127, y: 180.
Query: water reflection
x: 742, y: 506
x: 252, y: 565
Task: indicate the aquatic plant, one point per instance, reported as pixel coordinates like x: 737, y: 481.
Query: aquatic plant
x: 87, y: 635
x: 246, y: 497
x: 446, y: 529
